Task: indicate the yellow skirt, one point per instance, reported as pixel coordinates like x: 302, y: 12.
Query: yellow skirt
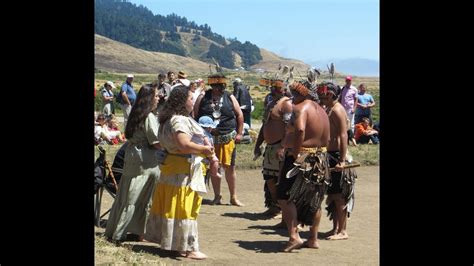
x: 175, y: 208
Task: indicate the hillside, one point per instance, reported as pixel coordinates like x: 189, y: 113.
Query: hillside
x: 271, y: 60
x: 196, y: 46
x: 113, y: 56
x: 138, y: 27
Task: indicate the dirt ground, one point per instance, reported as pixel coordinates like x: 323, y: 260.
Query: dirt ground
x: 242, y: 235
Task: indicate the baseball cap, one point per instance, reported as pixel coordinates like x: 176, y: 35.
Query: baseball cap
x: 348, y: 78
x: 129, y: 76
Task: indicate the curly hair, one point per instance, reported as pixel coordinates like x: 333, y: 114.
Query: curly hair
x: 140, y: 110
x: 176, y: 104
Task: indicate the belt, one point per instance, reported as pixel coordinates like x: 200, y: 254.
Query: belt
x: 275, y: 142
x: 314, y: 149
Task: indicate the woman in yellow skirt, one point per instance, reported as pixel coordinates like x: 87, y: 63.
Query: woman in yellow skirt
x: 176, y: 203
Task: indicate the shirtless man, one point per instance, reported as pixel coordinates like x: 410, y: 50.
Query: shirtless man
x: 337, y: 148
x: 307, y: 147
x: 277, y: 114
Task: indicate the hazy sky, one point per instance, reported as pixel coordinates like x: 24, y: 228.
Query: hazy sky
x: 307, y: 30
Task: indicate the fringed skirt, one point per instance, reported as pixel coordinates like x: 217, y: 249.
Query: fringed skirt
x: 311, y: 183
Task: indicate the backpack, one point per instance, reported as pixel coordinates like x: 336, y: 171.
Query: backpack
x: 118, y: 97
x: 244, y: 97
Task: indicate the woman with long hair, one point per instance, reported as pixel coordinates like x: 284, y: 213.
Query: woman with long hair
x: 176, y: 203
x: 140, y: 171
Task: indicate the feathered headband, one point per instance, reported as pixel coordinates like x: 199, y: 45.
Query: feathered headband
x: 215, y: 80
x: 265, y: 82
x: 304, y: 90
x: 277, y: 83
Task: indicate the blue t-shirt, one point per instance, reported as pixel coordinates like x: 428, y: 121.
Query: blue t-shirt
x: 364, y: 99
x: 128, y: 89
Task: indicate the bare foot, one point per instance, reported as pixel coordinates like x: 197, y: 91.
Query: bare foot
x: 196, y: 255
x: 340, y: 236
x: 293, y: 245
x: 236, y: 202
x: 311, y: 243
x: 327, y: 234
x: 217, y: 200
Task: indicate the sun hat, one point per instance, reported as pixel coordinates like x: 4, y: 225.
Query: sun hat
x: 206, y: 121
x: 111, y: 84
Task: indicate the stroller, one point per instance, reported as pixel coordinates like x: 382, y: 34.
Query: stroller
x: 107, y: 178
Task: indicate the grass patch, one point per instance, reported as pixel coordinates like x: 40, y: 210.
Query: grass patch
x: 107, y: 253
x: 366, y: 155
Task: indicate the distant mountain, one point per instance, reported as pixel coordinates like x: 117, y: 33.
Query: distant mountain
x: 351, y: 66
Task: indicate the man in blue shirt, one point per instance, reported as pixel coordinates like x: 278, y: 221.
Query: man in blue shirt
x: 365, y: 101
x: 128, y: 98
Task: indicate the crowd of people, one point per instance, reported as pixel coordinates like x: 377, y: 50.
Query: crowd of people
x: 178, y: 132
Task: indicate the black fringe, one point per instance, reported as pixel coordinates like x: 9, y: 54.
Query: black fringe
x: 347, y: 184
x: 331, y: 208
x: 307, y: 192
x: 268, y: 197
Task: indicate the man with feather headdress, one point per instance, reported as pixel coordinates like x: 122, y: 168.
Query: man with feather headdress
x: 341, y: 190
x: 276, y: 115
x: 305, y: 173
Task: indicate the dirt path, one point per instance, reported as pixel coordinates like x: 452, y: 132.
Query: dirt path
x: 233, y: 235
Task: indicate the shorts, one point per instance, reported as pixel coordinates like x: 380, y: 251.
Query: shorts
x: 335, y: 186
x: 285, y: 184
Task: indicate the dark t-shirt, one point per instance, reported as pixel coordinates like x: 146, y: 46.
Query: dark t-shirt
x: 243, y: 97
x: 228, y: 122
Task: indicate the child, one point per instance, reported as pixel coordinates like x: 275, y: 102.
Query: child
x: 113, y: 126
x: 102, y: 132
x: 208, y: 124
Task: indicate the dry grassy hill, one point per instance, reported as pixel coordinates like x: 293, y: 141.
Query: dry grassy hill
x: 271, y: 60
x: 113, y: 56
x: 196, y: 49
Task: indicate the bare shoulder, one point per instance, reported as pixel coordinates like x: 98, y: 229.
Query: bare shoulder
x: 339, y: 109
x: 298, y: 107
x: 286, y: 105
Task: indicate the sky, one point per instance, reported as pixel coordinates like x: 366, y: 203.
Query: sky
x: 308, y: 30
